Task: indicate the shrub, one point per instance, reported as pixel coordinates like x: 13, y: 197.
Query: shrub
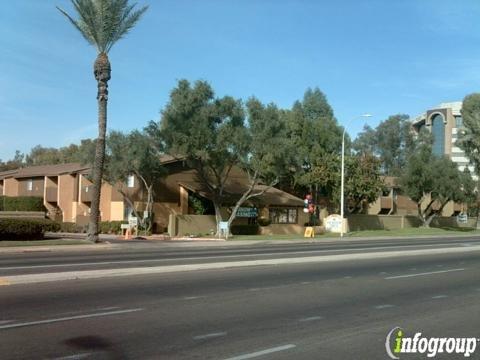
x: 263, y: 221
x: 251, y: 229
x: 21, y: 203
x: 111, y: 227
x: 26, y: 229
x: 70, y: 227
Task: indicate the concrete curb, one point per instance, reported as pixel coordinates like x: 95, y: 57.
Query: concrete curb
x: 52, y: 248
x: 96, y: 274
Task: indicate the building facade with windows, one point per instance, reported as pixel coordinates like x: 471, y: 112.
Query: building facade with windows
x: 445, y: 122
x: 67, y: 191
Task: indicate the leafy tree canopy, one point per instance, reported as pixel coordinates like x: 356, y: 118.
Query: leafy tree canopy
x: 469, y: 136
x: 391, y: 141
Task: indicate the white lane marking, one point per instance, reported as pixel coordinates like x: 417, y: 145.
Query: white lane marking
x: 263, y: 352
x: 439, y: 297
x: 311, y: 318
x: 386, y: 306
x: 3, y: 322
x: 439, y: 265
x: 218, y: 257
x: 193, y: 297
x: 305, y: 282
x: 413, y: 269
x: 164, y: 269
x: 383, y: 273
x: 422, y: 274
x: 89, y: 310
x: 74, y: 356
x: 347, y: 277
x: 209, y: 336
x: 49, y: 321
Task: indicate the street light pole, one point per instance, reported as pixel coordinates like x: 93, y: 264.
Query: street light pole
x: 342, y: 183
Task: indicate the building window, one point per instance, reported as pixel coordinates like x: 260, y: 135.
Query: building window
x: 458, y: 122
x: 131, y: 181
x: 30, y: 185
x: 283, y: 215
x: 438, y: 131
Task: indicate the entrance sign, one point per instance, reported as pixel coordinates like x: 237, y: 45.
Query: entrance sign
x: 333, y: 223
x: 462, y: 218
x: 247, y: 212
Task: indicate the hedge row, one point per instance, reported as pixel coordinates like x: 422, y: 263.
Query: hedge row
x: 106, y: 227
x: 26, y: 229
x: 21, y: 203
x: 244, y: 229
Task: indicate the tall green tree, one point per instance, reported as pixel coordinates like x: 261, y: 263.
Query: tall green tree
x: 469, y: 136
x: 134, y: 154
x: 15, y: 163
x: 102, y: 23
x: 315, y: 133
x: 391, y: 141
x: 430, y: 180
x: 220, y: 136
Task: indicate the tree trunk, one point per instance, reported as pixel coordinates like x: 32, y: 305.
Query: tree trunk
x: 102, y: 72
x: 218, y: 215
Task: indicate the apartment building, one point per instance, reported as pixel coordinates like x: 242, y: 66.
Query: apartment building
x: 67, y: 192
x: 65, y: 189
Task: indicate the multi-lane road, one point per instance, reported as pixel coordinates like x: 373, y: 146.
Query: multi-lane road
x: 273, y: 302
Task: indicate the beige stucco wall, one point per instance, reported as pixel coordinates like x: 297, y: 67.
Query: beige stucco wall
x: 116, y: 211
x: 10, y: 187
x: 282, y: 229
x: 161, y: 213
x: 105, y: 202
x: 66, y: 196
x: 195, y: 224
x: 37, y: 187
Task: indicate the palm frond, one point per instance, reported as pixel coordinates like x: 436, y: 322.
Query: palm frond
x: 103, y: 22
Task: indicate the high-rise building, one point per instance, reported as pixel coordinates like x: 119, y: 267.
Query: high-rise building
x: 445, y: 122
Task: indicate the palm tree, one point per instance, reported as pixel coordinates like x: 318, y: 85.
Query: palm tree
x: 102, y: 23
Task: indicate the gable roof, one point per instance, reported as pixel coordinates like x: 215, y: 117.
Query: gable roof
x: 45, y: 170
x: 236, y: 187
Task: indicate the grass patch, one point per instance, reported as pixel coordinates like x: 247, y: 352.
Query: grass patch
x: 14, y: 243
x: 414, y: 232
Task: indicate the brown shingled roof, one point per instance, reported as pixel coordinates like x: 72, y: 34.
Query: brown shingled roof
x: 236, y: 187
x: 45, y: 170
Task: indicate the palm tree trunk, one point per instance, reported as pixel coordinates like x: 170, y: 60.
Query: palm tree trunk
x: 102, y: 72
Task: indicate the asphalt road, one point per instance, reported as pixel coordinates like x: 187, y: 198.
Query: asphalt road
x: 338, y: 310
x: 147, y: 253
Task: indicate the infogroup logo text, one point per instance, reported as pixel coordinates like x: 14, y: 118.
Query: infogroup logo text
x: 397, y: 343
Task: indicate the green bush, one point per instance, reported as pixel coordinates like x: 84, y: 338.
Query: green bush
x: 70, y: 227
x: 26, y: 229
x: 263, y: 221
x: 245, y: 229
x: 21, y: 203
x: 111, y: 227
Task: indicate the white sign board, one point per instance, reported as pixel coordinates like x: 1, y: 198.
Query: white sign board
x: 124, y: 226
x: 223, y: 225
x: 462, y: 218
x: 133, y: 221
x: 333, y: 223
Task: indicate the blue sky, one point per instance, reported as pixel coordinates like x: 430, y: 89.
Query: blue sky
x: 368, y: 56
